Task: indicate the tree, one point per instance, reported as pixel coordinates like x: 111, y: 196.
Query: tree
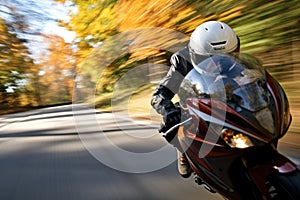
x: 15, y: 63
x: 21, y: 77
x: 56, y: 71
x: 268, y: 29
x: 93, y: 23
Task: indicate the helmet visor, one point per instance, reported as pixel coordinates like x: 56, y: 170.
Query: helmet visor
x: 212, y: 65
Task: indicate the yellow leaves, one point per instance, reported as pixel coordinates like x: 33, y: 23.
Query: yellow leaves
x: 232, y: 13
x: 56, y: 71
x: 233, y: 10
x: 99, y: 20
x: 136, y: 14
x: 184, y: 11
x: 93, y: 18
x: 173, y: 14
x: 61, y: 1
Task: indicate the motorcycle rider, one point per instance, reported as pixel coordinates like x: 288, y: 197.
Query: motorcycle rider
x: 207, y: 39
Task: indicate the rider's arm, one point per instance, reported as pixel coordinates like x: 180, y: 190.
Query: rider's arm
x: 169, y: 86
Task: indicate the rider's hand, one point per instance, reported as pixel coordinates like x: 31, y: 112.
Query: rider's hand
x: 172, y: 117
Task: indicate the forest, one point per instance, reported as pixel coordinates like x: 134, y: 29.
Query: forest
x: 99, y: 55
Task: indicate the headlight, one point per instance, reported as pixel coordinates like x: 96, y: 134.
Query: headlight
x: 236, y: 140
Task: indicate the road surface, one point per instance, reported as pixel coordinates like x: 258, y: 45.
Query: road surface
x: 53, y: 154
x: 43, y: 157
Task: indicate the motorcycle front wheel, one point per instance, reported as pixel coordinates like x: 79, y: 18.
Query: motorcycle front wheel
x: 284, y: 186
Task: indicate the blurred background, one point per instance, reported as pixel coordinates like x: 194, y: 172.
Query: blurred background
x: 44, y: 45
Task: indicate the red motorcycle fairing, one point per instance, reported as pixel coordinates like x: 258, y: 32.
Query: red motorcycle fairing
x: 202, y: 165
x: 278, y: 164
x: 201, y: 109
x: 216, y: 163
x: 281, y: 105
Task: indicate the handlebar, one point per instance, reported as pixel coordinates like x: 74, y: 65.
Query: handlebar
x: 165, y: 134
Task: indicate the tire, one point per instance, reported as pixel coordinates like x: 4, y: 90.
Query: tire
x: 284, y: 186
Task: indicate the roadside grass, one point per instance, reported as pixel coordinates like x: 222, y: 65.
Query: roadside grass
x: 135, y: 104
x: 139, y: 106
x: 12, y: 110
x: 15, y: 110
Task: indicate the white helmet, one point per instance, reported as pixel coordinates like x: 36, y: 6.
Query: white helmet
x: 213, y: 37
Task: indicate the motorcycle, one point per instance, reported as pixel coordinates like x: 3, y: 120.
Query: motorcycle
x: 233, y: 114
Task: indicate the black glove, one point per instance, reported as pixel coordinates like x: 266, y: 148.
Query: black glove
x: 172, y: 117
x: 163, y: 128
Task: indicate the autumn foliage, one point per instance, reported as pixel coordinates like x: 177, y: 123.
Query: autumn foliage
x: 266, y: 28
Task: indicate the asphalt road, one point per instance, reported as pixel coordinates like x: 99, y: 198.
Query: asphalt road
x: 43, y: 157
x: 53, y: 154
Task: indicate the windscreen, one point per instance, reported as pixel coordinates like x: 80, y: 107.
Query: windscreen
x: 238, y: 79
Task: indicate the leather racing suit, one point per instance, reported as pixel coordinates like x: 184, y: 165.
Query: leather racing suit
x: 169, y: 86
